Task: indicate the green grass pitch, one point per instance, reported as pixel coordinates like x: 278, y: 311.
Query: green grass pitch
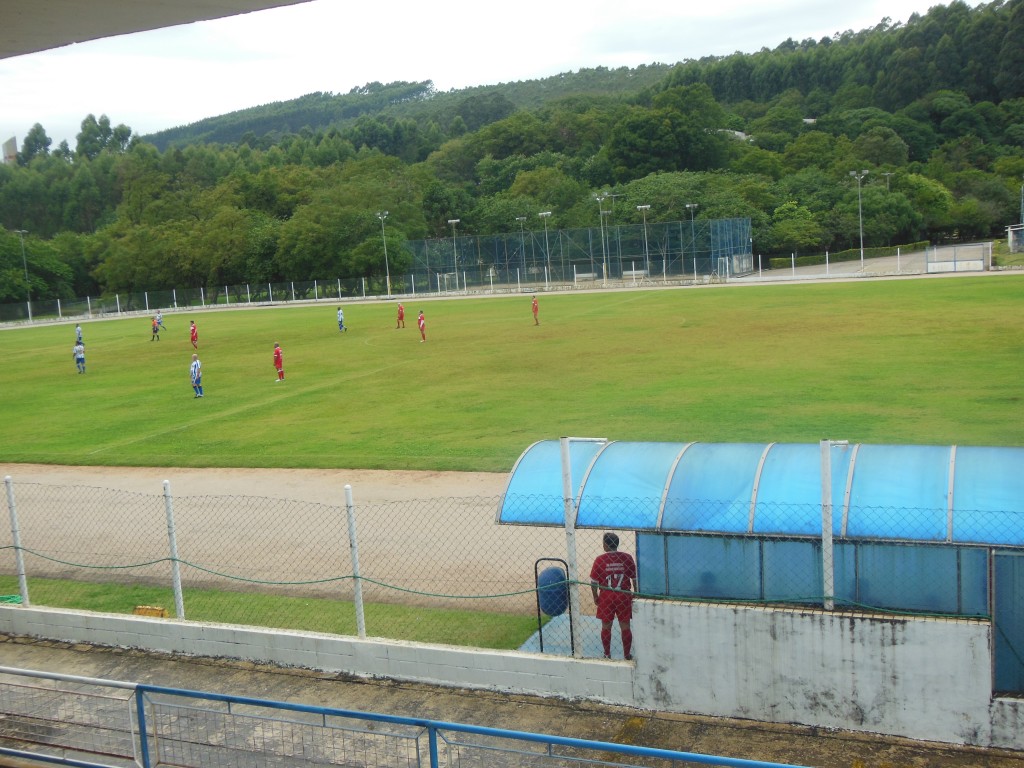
x: 933, y: 361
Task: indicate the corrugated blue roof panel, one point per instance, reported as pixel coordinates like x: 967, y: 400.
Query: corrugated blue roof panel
x: 789, y: 490
x: 900, y: 492
x: 896, y: 492
x: 712, y: 487
x: 626, y: 485
x: 534, y: 492
x: 988, y: 496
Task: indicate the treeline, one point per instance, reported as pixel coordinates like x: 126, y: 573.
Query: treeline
x: 933, y: 110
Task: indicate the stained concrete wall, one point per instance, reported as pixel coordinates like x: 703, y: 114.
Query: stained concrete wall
x: 924, y: 678
x: 920, y: 678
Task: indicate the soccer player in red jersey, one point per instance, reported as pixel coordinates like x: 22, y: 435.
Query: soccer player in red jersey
x: 535, y: 309
x: 279, y: 361
x: 614, y: 571
x: 194, y: 335
x: 401, y: 316
x: 421, y: 321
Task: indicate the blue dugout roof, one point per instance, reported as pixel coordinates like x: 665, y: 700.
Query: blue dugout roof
x: 941, y: 494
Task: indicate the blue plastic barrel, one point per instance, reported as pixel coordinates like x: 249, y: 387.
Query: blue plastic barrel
x: 553, y: 591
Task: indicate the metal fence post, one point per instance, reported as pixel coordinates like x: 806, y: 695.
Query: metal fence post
x: 16, y: 540
x: 570, y: 548
x: 827, y: 549
x: 179, y: 600
x: 353, y: 545
x: 432, y: 745
x: 140, y: 714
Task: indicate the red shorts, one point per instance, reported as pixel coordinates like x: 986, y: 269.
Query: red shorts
x: 615, y: 605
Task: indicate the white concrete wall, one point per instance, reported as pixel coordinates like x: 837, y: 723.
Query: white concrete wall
x: 528, y: 673
x: 923, y: 678
x: 920, y: 678
x: 965, y: 265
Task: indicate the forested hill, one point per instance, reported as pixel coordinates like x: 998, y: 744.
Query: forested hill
x: 979, y: 52
x: 468, y: 108
x: 895, y: 134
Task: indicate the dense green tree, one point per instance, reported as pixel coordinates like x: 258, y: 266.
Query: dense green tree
x: 36, y: 144
x: 794, y: 228
x: 881, y: 146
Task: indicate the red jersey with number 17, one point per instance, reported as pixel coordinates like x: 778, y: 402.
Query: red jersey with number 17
x: 615, y: 570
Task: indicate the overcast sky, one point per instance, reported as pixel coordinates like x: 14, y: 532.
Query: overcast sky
x: 162, y: 79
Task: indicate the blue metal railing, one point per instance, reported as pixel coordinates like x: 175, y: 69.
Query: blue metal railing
x: 206, y: 730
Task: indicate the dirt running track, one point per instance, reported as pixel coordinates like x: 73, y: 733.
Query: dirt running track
x: 323, y: 486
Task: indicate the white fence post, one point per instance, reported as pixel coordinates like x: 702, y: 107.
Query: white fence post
x: 353, y: 545
x: 827, y: 549
x: 569, y: 521
x: 19, y: 558
x: 179, y: 600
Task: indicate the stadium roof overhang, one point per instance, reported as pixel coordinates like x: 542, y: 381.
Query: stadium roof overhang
x: 30, y: 26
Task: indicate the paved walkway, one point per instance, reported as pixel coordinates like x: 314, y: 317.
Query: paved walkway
x: 733, y: 738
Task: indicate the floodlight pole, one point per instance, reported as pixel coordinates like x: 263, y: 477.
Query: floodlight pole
x: 647, y: 263
x: 604, y: 254
x: 859, y: 176
x: 693, y: 238
x: 455, y: 253
x: 522, y: 239
x: 387, y: 270
x: 545, y: 215
x: 24, y: 263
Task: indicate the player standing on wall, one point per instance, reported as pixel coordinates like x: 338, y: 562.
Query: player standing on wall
x: 195, y: 373
x: 611, y: 581
x: 279, y: 361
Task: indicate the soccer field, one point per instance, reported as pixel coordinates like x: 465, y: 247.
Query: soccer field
x: 933, y: 361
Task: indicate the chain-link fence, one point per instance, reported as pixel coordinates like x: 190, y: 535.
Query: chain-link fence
x: 443, y: 570
x: 429, y: 570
